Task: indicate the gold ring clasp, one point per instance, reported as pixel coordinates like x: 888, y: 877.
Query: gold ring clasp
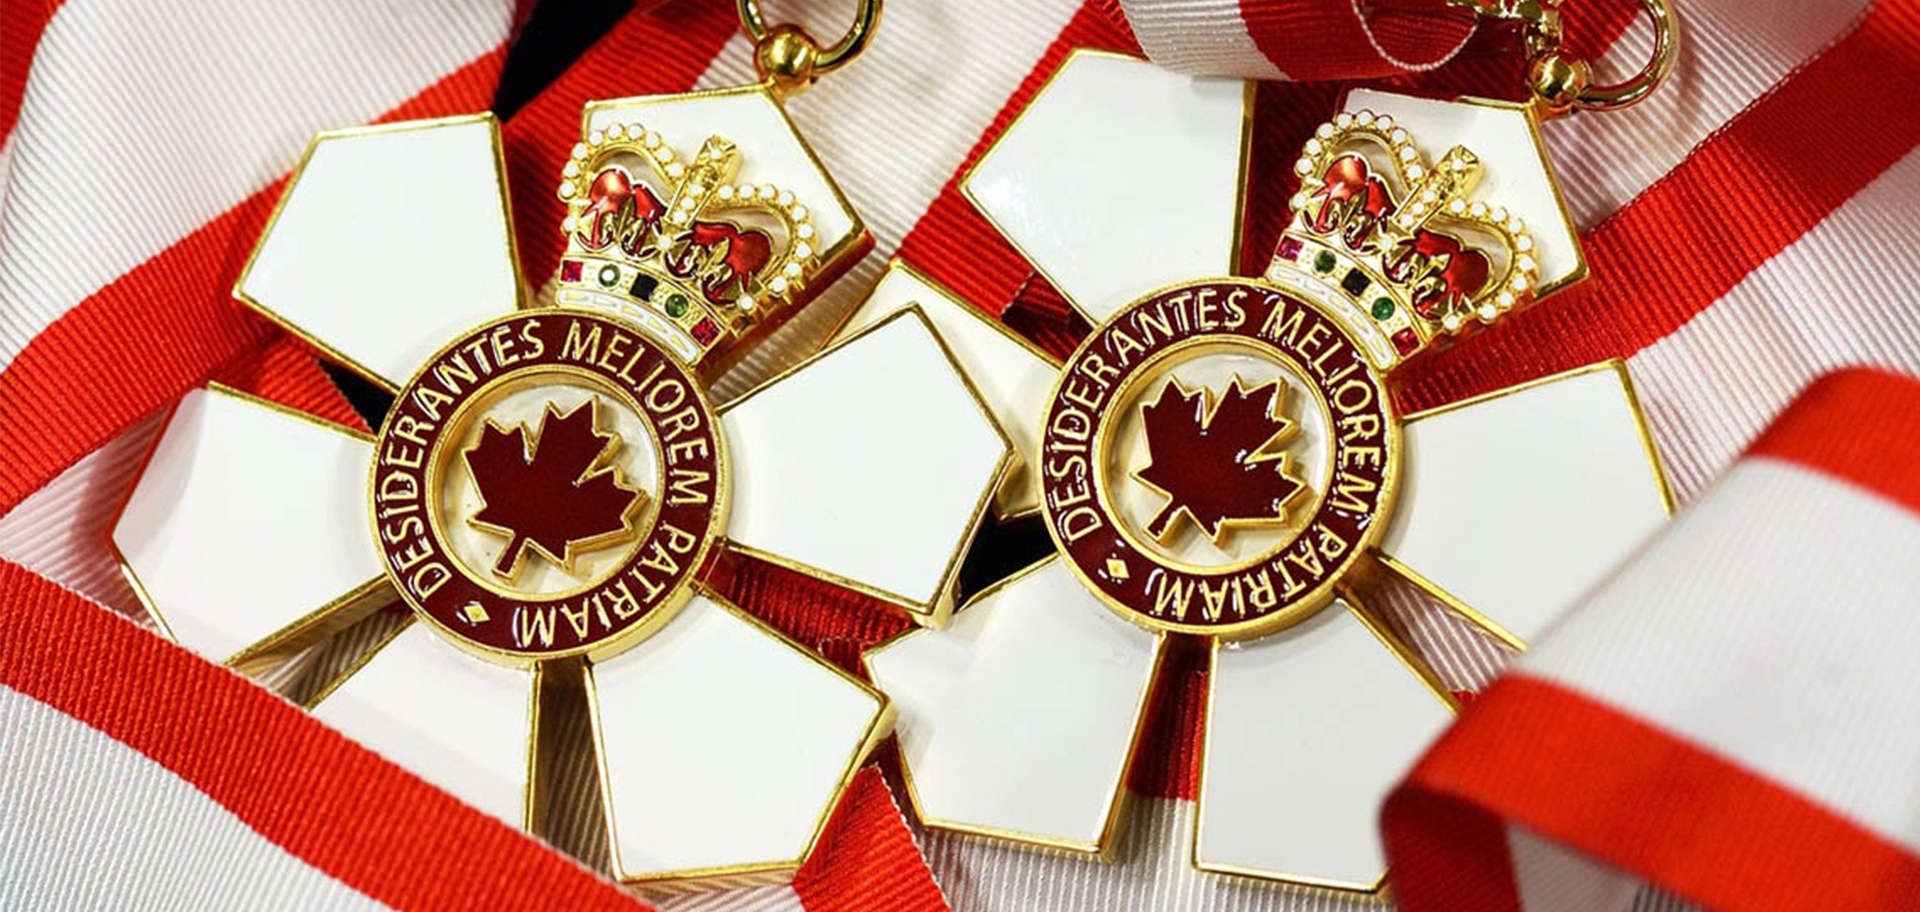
x: 790, y: 59
x: 1666, y: 50
x: 1561, y: 84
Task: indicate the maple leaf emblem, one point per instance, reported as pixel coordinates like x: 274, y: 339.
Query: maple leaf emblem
x: 1218, y: 462
x: 551, y: 490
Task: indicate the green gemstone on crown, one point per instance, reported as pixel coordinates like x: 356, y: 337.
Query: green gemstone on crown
x: 1324, y: 262
x: 1382, y: 308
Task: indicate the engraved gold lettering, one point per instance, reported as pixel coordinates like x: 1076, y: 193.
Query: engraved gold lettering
x: 687, y: 486
x: 533, y: 625
x: 1079, y: 522
x: 584, y: 348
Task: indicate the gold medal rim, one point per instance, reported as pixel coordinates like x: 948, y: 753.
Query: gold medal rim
x: 1305, y: 605
x: 668, y: 605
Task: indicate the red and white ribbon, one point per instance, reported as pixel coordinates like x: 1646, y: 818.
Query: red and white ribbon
x: 1301, y: 40
x: 1729, y: 717
x: 1772, y: 295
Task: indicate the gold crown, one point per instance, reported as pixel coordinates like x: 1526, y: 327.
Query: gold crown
x: 675, y: 246
x: 1411, y: 258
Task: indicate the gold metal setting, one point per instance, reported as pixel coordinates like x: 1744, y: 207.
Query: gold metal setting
x: 755, y: 873
x: 1429, y: 193
x: 698, y: 190
x: 831, y: 258
x: 331, y: 617
x: 333, y: 354
x: 1240, y: 195
x: 1103, y: 847
x: 1019, y: 492
x: 1189, y: 350
x: 455, y: 428
x: 937, y: 611
x: 790, y: 59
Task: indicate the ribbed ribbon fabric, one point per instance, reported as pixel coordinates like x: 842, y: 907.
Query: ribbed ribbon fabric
x: 126, y: 319
x: 1725, y: 716
x: 1733, y: 225
x: 866, y: 857
x: 1298, y: 39
x: 271, y: 765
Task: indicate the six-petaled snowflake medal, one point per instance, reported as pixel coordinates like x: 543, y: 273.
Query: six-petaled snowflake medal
x: 1222, y: 458
x: 553, y: 484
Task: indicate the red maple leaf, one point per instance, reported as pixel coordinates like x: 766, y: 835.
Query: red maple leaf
x: 550, y: 489
x: 1217, y: 462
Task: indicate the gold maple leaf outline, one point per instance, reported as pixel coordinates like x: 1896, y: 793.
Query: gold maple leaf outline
x: 530, y: 437
x: 1273, y: 448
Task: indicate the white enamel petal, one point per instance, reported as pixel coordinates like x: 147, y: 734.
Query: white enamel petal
x: 1516, y: 174
x: 389, y: 243
x: 771, y: 151
x: 1013, y: 375
x: 1019, y: 718
x: 1120, y: 178
x: 247, y: 520
x: 459, y: 722
x: 1307, y: 731
x: 1514, y: 504
x: 724, y: 746
x: 872, y: 462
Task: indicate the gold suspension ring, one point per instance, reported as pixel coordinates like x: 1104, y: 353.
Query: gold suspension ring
x: 1565, y: 84
x: 790, y: 59
x: 1561, y: 84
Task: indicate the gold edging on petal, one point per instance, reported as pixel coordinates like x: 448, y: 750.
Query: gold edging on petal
x: 1619, y: 368
x: 1231, y: 261
x: 1010, y: 501
x: 359, y: 662
x: 1453, y: 602
x: 331, y: 617
x: 286, y: 410
x: 1106, y: 844
x: 357, y: 604
x: 1349, y: 599
x: 879, y: 726
x: 938, y: 610
x: 1401, y: 649
x: 897, y: 264
x: 532, y: 796
x: 542, y: 744
x: 520, y: 296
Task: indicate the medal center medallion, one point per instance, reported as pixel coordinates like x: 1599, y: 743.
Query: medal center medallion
x: 1216, y: 457
x: 550, y: 484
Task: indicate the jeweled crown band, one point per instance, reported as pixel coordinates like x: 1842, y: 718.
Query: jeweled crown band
x: 1408, y: 258
x: 677, y: 247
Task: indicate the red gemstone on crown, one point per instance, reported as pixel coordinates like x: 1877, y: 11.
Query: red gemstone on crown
x: 706, y: 331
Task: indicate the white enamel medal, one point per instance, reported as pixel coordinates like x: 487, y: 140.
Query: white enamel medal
x: 553, y: 487
x: 1222, y: 458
